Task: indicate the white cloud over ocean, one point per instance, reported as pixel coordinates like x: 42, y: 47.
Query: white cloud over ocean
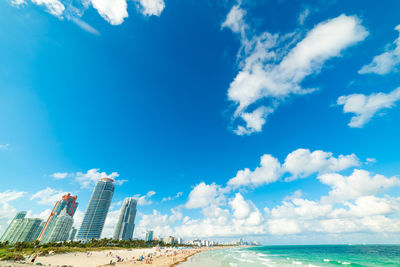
x: 355, y: 203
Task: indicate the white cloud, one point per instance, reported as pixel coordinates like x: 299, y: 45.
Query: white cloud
x: 235, y: 20
x: 112, y: 11
x: 203, y: 195
x: 44, y: 215
x: 110, y: 223
x: 364, y: 214
x: 254, y: 121
x: 301, y: 208
x: 241, y: 209
x: 371, y: 206
x: 7, y: 212
x: 273, y: 72
x: 54, y: 7
x: 299, y: 163
x: 9, y: 195
x: 302, y: 163
x: 366, y: 106
x: 304, y: 15
x: 360, y: 183
x: 176, y: 215
x: 116, y: 204
x: 4, y: 146
x: 159, y: 223
x: 386, y: 62
x: 380, y: 224
x: 48, y: 196
x: 120, y: 182
x: 245, y: 211
x: 60, y: 175
x: 246, y: 219
x: 169, y: 198
x: 17, y: 2
x: 93, y: 175
x: 269, y: 171
x: 352, y: 206
x: 86, y: 180
x: 283, y: 226
x: 85, y: 26
x: 151, y: 7
x: 78, y: 218
x: 371, y: 160
x: 145, y: 200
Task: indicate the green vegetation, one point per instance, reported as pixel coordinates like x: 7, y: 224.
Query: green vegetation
x: 19, y: 249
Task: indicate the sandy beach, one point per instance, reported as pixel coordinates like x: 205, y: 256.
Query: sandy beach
x: 163, y: 257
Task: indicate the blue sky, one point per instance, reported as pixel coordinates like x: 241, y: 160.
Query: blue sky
x: 179, y: 101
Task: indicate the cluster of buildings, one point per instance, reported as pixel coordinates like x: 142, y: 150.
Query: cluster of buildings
x: 201, y: 243
x: 58, y: 226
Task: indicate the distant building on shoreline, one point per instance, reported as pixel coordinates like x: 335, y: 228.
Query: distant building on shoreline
x: 96, y: 211
x: 60, y: 221
x: 22, y: 229
x: 169, y: 240
x: 126, y: 222
x: 149, y: 236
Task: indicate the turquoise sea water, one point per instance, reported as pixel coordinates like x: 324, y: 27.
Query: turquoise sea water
x: 327, y: 255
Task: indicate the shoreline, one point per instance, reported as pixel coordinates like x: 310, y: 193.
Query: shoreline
x: 171, y: 257
x: 195, y: 253
x: 187, y: 258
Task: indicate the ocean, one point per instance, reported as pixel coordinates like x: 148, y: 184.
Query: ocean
x: 321, y: 255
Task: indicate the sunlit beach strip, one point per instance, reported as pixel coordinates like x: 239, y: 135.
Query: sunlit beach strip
x: 159, y: 257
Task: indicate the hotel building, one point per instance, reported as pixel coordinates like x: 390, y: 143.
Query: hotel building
x: 60, y: 221
x: 97, y: 209
x: 149, y: 236
x: 22, y: 229
x: 126, y: 222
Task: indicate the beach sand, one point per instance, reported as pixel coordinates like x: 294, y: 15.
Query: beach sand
x: 165, y: 257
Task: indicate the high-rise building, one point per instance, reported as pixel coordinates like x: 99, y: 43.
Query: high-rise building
x: 60, y: 220
x: 126, y: 222
x: 21, y: 229
x: 40, y: 229
x: 149, y: 236
x: 6, y: 234
x: 96, y: 211
x: 72, y: 234
x: 60, y: 228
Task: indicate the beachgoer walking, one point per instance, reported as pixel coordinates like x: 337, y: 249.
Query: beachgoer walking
x: 33, y: 259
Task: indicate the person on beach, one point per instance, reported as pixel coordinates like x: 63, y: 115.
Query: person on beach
x: 33, y: 259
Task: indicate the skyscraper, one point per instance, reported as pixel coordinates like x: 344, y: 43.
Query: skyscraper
x: 72, y: 234
x: 149, y: 236
x: 60, y: 220
x: 126, y: 222
x: 60, y: 228
x: 97, y: 209
x: 6, y: 234
x: 21, y: 229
